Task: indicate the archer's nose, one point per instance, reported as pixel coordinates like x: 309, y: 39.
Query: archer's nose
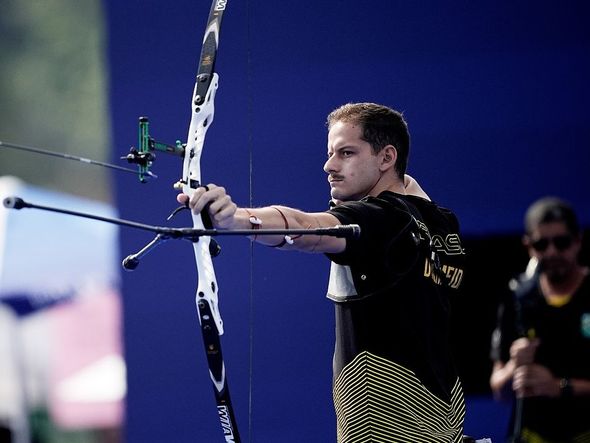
x: 330, y: 165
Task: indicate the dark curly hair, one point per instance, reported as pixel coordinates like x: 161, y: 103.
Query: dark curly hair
x: 381, y: 126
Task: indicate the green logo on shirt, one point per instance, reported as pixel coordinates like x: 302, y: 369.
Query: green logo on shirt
x: 585, y: 325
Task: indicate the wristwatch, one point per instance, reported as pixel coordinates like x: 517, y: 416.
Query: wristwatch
x: 565, y: 387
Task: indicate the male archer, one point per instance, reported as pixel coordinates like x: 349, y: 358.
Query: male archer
x: 393, y: 375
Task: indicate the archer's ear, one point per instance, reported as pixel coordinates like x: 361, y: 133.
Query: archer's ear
x: 389, y: 157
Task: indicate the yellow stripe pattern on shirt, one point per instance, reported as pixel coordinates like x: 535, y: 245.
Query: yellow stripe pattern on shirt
x: 379, y: 401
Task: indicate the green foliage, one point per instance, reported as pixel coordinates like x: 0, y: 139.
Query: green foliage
x: 53, y: 93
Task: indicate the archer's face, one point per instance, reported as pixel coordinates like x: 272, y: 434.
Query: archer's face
x: 555, y: 248
x: 352, y: 167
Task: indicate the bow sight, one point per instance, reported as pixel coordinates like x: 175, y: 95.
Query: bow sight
x: 144, y: 156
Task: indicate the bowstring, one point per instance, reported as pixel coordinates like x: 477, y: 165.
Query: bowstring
x: 249, y: 112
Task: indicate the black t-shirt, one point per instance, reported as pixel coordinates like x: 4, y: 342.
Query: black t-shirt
x: 396, y: 302
x: 564, y: 335
x: 391, y: 287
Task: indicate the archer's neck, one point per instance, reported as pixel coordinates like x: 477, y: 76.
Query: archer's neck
x: 391, y: 184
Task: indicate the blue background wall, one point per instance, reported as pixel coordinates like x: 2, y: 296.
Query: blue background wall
x: 496, y: 95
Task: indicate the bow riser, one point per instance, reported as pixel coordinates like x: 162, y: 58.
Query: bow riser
x: 203, y: 112
x: 202, y: 117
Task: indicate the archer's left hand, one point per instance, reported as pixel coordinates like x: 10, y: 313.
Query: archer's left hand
x: 220, y: 206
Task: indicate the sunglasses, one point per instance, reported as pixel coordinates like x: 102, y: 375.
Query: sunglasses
x: 561, y: 243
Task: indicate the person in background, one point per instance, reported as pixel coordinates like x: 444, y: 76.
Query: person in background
x: 541, y: 345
